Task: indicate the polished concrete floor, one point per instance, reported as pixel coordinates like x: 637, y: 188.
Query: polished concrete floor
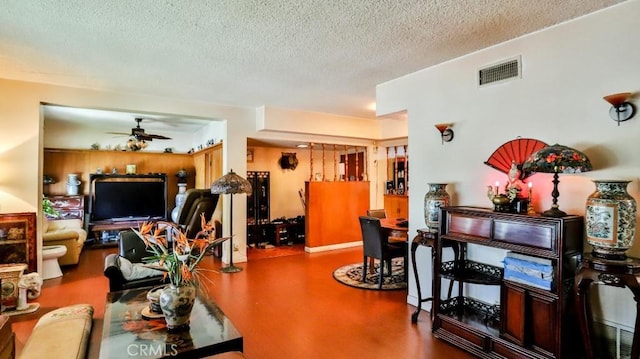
x: 285, y: 307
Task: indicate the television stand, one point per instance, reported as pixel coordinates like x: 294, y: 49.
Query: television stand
x: 98, y: 227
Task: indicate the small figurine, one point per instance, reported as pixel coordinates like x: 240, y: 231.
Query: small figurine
x: 29, y: 286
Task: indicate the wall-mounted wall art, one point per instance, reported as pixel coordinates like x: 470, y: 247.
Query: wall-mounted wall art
x: 18, y: 239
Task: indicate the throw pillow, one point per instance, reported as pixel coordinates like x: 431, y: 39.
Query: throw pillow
x: 133, y: 271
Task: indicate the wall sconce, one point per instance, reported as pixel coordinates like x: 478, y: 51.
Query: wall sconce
x: 621, y: 110
x: 445, y: 131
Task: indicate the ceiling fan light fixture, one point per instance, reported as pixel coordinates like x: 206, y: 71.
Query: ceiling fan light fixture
x: 136, y: 145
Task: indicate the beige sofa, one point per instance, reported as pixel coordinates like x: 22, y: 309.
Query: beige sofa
x: 68, y: 233
x: 61, y: 334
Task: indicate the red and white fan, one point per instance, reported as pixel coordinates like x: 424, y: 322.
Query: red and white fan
x: 517, y: 151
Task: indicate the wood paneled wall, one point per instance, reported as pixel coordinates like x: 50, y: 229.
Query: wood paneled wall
x: 58, y: 163
x: 332, y: 210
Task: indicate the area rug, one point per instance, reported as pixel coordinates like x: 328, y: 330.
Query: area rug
x: 351, y: 275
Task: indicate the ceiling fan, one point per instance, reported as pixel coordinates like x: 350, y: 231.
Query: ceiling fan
x: 139, y: 134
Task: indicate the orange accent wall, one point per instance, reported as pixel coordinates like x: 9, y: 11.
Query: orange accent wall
x: 332, y: 210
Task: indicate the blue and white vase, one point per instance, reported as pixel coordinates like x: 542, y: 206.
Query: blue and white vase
x: 434, y: 199
x: 176, y: 303
x: 610, y: 221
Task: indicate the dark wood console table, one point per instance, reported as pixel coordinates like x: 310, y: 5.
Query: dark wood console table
x: 618, y: 273
x: 428, y: 238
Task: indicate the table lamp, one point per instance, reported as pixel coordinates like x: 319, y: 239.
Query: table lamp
x: 231, y: 184
x: 556, y: 159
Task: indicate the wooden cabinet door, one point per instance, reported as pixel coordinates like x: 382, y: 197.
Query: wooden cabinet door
x: 208, y: 166
x: 396, y: 206
x: 544, y: 332
x: 513, y: 309
x: 529, y: 318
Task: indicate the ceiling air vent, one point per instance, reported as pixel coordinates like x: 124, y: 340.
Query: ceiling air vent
x: 503, y: 71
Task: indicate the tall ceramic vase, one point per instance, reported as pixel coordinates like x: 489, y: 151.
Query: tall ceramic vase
x: 434, y: 199
x: 176, y: 303
x: 610, y: 219
x: 181, y: 196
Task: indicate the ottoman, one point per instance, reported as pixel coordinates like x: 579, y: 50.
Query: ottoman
x: 61, y: 334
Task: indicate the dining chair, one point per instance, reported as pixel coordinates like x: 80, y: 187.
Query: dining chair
x: 377, y: 213
x: 375, y: 245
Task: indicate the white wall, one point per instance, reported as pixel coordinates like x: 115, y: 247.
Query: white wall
x: 566, y: 71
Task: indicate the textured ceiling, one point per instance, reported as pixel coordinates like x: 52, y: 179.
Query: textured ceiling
x: 323, y: 56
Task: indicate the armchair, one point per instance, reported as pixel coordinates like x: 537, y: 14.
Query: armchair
x: 68, y: 233
x: 197, y: 202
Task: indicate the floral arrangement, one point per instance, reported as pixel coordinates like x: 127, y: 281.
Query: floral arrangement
x: 177, y: 258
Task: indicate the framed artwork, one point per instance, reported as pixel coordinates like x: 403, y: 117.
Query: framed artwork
x: 249, y: 154
x: 18, y: 239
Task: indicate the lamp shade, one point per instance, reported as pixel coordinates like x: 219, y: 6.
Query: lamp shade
x: 557, y: 159
x: 231, y: 183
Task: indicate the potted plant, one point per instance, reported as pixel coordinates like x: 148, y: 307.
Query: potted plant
x: 178, y: 257
x: 47, y: 208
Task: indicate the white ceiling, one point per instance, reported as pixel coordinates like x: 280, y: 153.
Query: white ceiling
x: 321, y: 56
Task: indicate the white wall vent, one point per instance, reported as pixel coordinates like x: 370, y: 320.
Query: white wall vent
x: 503, y: 71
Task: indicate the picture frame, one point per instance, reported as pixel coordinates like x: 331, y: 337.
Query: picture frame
x: 249, y: 154
x: 18, y: 239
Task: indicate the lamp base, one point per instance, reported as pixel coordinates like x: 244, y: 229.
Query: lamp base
x: 554, y: 212
x: 230, y: 269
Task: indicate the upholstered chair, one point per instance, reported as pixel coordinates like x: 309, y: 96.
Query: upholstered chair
x: 68, y: 233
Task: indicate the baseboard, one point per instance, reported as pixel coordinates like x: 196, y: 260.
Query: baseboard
x: 332, y: 247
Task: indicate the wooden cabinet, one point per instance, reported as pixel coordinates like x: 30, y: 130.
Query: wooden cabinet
x: 68, y: 207
x: 396, y: 205
x: 258, y: 207
x: 528, y: 322
x: 208, y: 166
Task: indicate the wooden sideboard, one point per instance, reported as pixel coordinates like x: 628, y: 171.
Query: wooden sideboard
x: 528, y: 322
x: 68, y: 207
x: 396, y: 205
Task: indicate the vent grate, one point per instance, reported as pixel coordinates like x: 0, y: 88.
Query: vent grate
x: 499, y: 72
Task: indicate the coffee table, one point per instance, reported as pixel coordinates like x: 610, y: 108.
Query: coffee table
x: 127, y: 334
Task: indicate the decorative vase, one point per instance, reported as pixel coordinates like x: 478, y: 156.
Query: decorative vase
x: 610, y: 219
x: 434, y: 199
x: 181, y: 196
x: 176, y: 303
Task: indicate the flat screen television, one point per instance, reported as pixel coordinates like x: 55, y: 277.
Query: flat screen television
x: 129, y: 200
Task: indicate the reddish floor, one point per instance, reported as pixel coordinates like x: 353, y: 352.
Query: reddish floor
x: 285, y: 307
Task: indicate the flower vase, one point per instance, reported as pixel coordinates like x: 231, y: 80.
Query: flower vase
x: 610, y: 219
x: 176, y: 303
x: 181, y: 196
x: 435, y: 198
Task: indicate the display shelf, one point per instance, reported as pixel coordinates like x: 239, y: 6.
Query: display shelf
x: 526, y: 322
x: 471, y: 272
x: 473, y: 313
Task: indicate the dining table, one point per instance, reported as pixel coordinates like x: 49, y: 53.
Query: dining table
x: 397, y: 228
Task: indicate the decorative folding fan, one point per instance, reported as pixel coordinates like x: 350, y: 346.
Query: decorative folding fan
x: 515, y: 150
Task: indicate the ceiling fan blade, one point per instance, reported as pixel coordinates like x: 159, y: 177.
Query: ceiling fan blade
x: 119, y: 133
x: 157, y: 137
